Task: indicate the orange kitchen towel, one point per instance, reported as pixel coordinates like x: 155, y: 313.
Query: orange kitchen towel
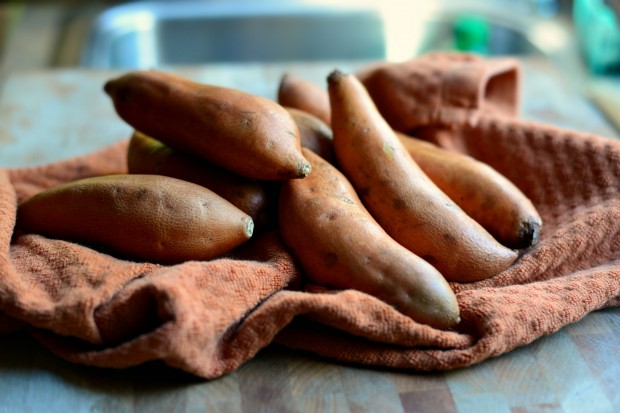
x: 210, y: 317
x: 443, y: 88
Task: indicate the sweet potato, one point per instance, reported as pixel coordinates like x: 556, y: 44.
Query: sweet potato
x: 315, y: 134
x: 144, y: 217
x: 301, y: 94
x: 146, y: 155
x: 339, y: 244
x: 482, y: 192
x: 407, y: 204
x: 244, y: 133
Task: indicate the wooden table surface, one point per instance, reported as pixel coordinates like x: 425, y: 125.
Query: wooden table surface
x: 51, y: 115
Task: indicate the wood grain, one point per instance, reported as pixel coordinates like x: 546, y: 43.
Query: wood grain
x: 562, y: 372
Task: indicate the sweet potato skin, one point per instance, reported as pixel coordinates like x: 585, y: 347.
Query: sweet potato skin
x: 146, y: 155
x: 244, y: 133
x: 339, y: 244
x: 301, y: 94
x: 144, y: 217
x: 406, y: 203
x: 482, y: 192
x: 315, y: 134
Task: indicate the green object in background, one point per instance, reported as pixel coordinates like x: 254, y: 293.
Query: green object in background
x: 10, y: 14
x: 471, y: 34
x: 598, y: 32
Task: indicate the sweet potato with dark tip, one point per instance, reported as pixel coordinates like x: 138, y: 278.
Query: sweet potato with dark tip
x: 482, y: 192
x: 407, y: 204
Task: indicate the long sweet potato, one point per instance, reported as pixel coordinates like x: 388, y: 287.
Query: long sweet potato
x: 482, y: 192
x: 244, y: 133
x: 339, y: 244
x: 406, y: 203
x: 146, y: 155
x: 144, y: 217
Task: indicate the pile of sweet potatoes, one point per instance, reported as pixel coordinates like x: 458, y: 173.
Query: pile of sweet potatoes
x: 359, y: 205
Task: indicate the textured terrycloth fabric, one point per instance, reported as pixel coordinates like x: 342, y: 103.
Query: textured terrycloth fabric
x: 210, y: 317
x: 443, y: 88
x: 574, y: 181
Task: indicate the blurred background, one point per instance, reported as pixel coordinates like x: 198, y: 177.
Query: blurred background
x: 581, y: 37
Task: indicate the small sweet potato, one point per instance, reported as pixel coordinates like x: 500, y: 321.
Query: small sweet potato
x: 144, y: 217
x: 146, y: 155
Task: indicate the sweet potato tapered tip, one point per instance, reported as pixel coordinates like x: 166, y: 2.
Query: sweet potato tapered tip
x: 249, y: 228
x: 113, y: 88
x: 335, y: 76
x: 303, y: 169
x: 528, y: 233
